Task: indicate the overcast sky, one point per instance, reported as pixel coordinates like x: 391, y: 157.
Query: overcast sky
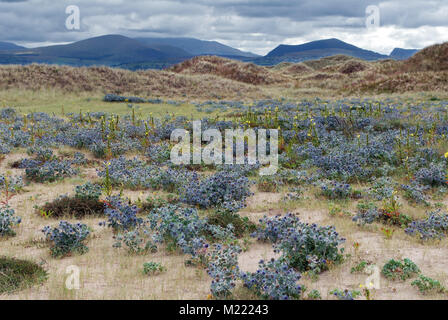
x: 250, y: 25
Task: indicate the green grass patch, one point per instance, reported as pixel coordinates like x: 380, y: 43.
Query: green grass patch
x: 19, y: 274
x: 58, y: 102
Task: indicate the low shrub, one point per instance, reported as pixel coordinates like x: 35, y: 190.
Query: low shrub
x: 435, y: 226
x: 382, y: 188
x: 433, y: 176
x: 336, y: 190
x: 314, y: 295
x: 153, y: 268
x: 268, y: 184
x: 73, y: 207
x: 224, y: 189
x: 274, y: 280
x: 19, y: 274
x: 294, y: 194
x: 183, y: 228
x: 40, y: 153
x: 397, y: 269
x: 7, y: 221
x: 428, y: 285
x: 345, y: 294
x: 272, y: 229
x: 367, y: 215
x: 121, y: 214
x: 135, y: 174
x: 88, y: 191
x: 389, y: 214
x: 11, y: 184
x: 360, y: 267
x: 224, y: 218
x: 50, y: 171
x: 137, y: 241
x: 67, y: 238
x: 154, y: 202
x: 305, y: 247
x: 415, y: 192
x: 222, y: 267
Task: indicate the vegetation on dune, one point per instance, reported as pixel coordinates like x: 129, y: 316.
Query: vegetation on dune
x: 230, y: 69
x: 18, y: 274
x: 377, y: 164
x: 210, y: 77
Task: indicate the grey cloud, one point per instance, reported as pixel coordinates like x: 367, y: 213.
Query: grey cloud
x: 257, y: 25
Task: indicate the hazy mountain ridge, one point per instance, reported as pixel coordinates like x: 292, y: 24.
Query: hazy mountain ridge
x: 158, y: 53
x: 6, y: 46
x: 316, y: 50
x: 196, y: 47
x: 401, y: 54
x: 208, y: 77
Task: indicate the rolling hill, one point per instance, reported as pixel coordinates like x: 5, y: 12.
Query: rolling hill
x: 121, y: 51
x: 160, y: 53
x: 207, y: 77
x: 316, y: 50
x: 199, y: 47
x: 402, y: 54
x: 6, y: 46
x: 109, y: 50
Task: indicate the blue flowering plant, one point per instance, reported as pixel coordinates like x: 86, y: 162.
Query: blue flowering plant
x: 435, y: 226
x: 305, y: 247
x: 121, y: 214
x: 67, y: 238
x: 223, y: 269
x: 224, y: 189
x: 8, y: 220
x: 274, y: 280
x: 345, y: 294
x: 88, y: 191
x: 136, y: 241
x: 183, y: 228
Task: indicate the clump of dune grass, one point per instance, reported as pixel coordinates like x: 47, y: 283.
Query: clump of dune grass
x: 19, y: 274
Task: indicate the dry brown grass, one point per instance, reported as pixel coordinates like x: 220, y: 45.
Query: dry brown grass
x: 219, y: 78
x: 110, y: 80
x: 427, y: 70
x: 229, y: 69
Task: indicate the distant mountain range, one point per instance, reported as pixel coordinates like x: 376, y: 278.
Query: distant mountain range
x: 157, y: 53
x: 197, y: 47
x: 316, y: 50
x: 9, y: 46
x: 401, y: 54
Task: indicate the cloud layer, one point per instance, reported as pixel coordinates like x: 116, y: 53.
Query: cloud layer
x: 250, y: 25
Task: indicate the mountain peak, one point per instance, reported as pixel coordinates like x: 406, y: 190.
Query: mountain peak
x: 7, y: 46
x: 401, y: 54
x: 199, y: 47
x: 319, y: 49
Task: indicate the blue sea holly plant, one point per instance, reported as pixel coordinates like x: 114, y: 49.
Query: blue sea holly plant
x: 223, y: 269
x: 88, y: 191
x: 121, y: 215
x: 183, y: 228
x: 67, y: 238
x: 305, y: 247
x: 137, y: 241
x: 274, y: 280
x: 8, y: 220
x: 225, y: 189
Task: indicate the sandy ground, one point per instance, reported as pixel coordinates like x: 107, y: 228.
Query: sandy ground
x: 108, y: 273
